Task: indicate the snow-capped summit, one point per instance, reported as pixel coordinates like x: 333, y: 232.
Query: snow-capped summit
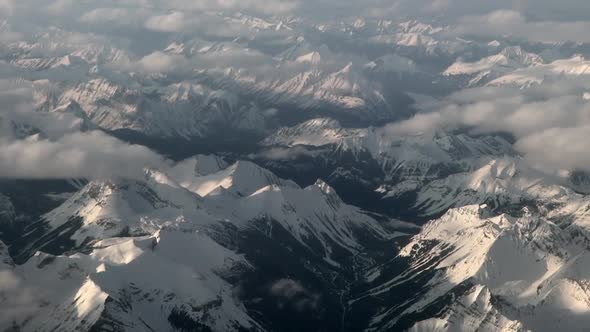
x: 343, y: 90
x: 313, y: 58
x: 576, y: 66
x: 414, y: 26
x: 489, y: 68
x: 406, y: 157
x: 119, y: 283
x: 243, y: 178
x: 110, y: 208
x: 500, y: 182
x: 323, y: 187
x: 186, y: 109
x: 315, y: 132
x: 315, y: 217
x: 498, y: 272
x: 244, y: 194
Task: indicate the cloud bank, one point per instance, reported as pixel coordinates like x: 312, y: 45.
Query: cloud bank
x: 54, y: 146
x: 550, y: 121
x: 79, y: 155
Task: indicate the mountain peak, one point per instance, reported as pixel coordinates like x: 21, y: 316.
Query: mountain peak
x: 313, y: 58
x: 242, y: 178
x: 346, y: 69
x: 324, y: 187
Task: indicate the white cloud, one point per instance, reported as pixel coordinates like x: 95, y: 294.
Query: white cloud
x: 549, y: 121
x: 558, y: 147
x: 173, y: 22
x: 17, y: 105
x: 77, y: 155
x: 7, y: 35
x: 512, y: 23
x: 115, y: 16
x: 530, y: 115
x: 159, y: 62
x: 253, y: 6
x: 61, y: 150
x: 17, y: 299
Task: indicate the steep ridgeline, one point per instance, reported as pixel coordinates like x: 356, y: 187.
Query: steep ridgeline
x: 181, y: 110
x: 503, y: 256
x: 106, y: 87
x: 204, y: 246
x: 519, y: 265
x: 125, y: 284
x: 471, y: 271
x: 345, y: 93
x: 489, y: 68
x: 375, y: 168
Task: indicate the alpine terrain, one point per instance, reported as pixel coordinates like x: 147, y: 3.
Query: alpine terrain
x: 294, y: 165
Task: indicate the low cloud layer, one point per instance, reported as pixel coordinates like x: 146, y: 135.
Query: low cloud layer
x: 511, y: 23
x: 16, y: 299
x: 51, y: 145
x: 78, y: 155
x: 550, y: 122
x: 171, y: 15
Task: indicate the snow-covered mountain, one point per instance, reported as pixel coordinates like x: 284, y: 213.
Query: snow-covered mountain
x: 239, y: 194
x: 400, y: 156
x: 116, y: 89
x: 500, y: 183
x: 510, y: 272
x: 111, y: 236
x: 572, y: 68
x: 389, y: 165
x: 317, y: 209
x: 185, y: 109
x: 490, y: 68
x: 120, y: 283
x: 344, y: 92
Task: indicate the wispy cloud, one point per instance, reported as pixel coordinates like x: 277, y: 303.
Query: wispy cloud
x: 549, y: 121
x: 61, y: 150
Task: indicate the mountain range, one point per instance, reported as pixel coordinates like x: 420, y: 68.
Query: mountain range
x: 290, y: 173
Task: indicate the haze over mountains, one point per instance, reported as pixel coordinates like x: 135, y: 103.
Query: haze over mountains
x: 291, y: 165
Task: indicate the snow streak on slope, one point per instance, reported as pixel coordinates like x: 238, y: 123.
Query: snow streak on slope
x: 244, y: 192
x: 509, y: 59
x: 572, y: 68
x: 120, y: 284
x: 489, y: 68
x: 500, y: 183
x: 103, y: 209
x: 322, y: 93
x: 508, y: 273
x: 401, y: 157
x: 242, y: 179
x: 113, y: 281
